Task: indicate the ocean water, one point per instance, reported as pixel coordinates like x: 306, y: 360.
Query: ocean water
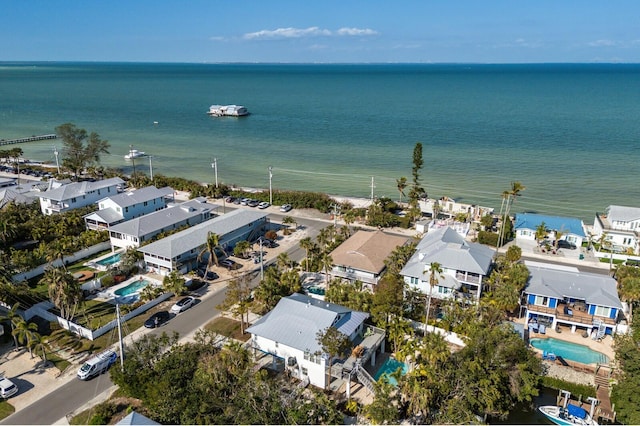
x: 568, y: 132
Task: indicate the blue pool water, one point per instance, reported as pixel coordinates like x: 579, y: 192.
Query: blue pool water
x: 390, y: 366
x: 132, y: 288
x: 570, y: 351
x: 108, y: 261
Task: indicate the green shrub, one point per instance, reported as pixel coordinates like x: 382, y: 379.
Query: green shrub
x: 107, y: 281
x: 488, y: 238
x: 575, y: 389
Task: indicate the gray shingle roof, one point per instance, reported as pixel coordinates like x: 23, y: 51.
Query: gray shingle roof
x: 595, y: 289
x: 196, y: 236
x: 451, y: 251
x: 161, y: 219
x: 77, y: 189
x: 296, y: 320
x: 623, y: 213
x: 141, y: 195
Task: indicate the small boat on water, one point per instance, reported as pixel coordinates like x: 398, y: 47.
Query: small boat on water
x: 227, y: 111
x: 569, y: 414
x: 134, y: 153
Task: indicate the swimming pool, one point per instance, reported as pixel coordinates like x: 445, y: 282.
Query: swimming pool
x: 132, y: 288
x: 108, y: 261
x: 389, y: 367
x: 570, y: 351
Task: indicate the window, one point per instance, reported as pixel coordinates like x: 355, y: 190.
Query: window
x: 602, y: 311
x: 541, y: 301
x: 145, y: 203
x: 415, y: 281
x: 305, y: 371
x: 276, y: 344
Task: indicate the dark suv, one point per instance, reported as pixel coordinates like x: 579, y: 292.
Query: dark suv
x: 566, y: 245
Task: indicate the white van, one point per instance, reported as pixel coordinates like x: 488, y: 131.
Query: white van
x: 97, y: 364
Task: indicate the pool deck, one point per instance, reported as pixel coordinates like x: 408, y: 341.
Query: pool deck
x: 110, y: 293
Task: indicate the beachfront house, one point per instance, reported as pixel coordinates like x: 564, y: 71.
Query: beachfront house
x: 559, y: 296
x: 572, y: 229
x: 622, y: 228
x: 289, y: 333
x: 179, y: 251
x: 134, y: 232
x: 128, y: 205
x: 448, y: 207
x: 361, y: 257
x: 465, y: 265
x: 78, y: 194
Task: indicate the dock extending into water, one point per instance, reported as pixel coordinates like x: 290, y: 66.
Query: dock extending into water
x: 28, y: 139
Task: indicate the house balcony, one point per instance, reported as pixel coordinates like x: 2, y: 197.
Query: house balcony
x: 576, y: 314
x: 468, y: 277
x: 354, y: 275
x: 365, y: 348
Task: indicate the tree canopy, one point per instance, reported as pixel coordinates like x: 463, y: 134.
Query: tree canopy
x: 77, y: 155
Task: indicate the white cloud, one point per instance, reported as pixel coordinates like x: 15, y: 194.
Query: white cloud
x: 287, y: 33
x: 356, y: 32
x: 603, y: 43
x: 282, y: 33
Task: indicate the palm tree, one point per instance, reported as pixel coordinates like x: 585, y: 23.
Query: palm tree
x: 629, y: 288
x: 174, y: 283
x: 14, y: 318
x: 64, y: 291
x: 283, y: 261
x: 307, y: 244
x: 434, y: 268
x: 39, y: 343
x: 541, y: 232
x: 23, y: 332
x: 213, y: 243
x: 288, y: 220
x: 326, y: 262
x: 401, y: 184
x: 516, y: 189
x: 559, y: 234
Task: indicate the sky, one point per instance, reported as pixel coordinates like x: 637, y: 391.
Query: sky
x: 328, y: 31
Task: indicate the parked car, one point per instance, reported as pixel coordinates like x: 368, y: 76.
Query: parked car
x: 230, y: 264
x: 210, y: 275
x: 193, y: 285
x: 269, y: 243
x: 253, y: 203
x: 245, y: 201
x: 7, y: 388
x: 229, y: 199
x: 263, y: 205
x: 566, y: 245
x: 285, y: 208
x: 157, y: 319
x: 182, y: 305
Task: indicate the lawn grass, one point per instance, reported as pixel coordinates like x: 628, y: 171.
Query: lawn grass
x: 227, y: 327
x: 6, y: 409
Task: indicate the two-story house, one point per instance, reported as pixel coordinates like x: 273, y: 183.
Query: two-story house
x: 562, y: 295
x: 128, y: 205
x: 572, y: 229
x: 464, y: 265
x: 362, y: 256
x: 622, y: 227
x: 290, y: 332
x: 179, y: 251
x: 134, y: 232
x: 78, y: 194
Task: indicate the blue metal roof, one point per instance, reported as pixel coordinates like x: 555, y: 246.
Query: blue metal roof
x: 531, y: 221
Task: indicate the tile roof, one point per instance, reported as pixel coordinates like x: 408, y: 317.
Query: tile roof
x: 296, y: 320
x: 552, y: 223
x: 366, y: 251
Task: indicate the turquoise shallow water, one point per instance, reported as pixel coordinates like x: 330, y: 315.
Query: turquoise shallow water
x: 567, y: 132
x: 570, y: 351
x: 388, y: 368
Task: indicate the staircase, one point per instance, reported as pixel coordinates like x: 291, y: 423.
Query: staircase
x: 604, y: 410
x: 602, y: 328
x: 366, y: 379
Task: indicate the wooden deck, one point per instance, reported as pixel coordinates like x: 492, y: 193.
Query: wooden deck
x: 28, y: 139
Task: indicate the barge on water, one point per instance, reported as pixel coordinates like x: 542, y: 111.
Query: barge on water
x: 227, y: 111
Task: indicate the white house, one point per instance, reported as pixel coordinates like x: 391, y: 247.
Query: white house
x: 290, y: 332
x: 362, y: 256
x: 128, y: 205
x: 136, y: 231
x: 464, y: 265
x: 621, y: 225
x: 526, y: 225
x: 179, y: 251
x: 78, y: 194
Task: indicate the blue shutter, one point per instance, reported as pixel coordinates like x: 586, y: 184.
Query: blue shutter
x: 613, y: 313
x: 531, y: 299
x: 553, y: 302
x: 592, y: 309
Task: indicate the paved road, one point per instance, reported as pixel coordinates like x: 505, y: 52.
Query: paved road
x: 76, y: 393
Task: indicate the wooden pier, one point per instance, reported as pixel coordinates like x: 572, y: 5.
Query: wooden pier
x: 29, y: 139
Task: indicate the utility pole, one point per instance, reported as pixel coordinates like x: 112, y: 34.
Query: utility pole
x: 150, y: 168
x: 133, y: 160
x: 373, y: 185
x: 261, y: 260
x: 336, y: 209
x: 270, y: 191
x: 55, y: 153
x: 214, y: 165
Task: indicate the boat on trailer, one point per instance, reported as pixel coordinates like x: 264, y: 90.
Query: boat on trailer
x: 569, y: 414
x: 227, y: 111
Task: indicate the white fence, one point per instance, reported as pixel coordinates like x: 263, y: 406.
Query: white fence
x: 84, y: 253
x: 41, y: 309
x: 449, y: 336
